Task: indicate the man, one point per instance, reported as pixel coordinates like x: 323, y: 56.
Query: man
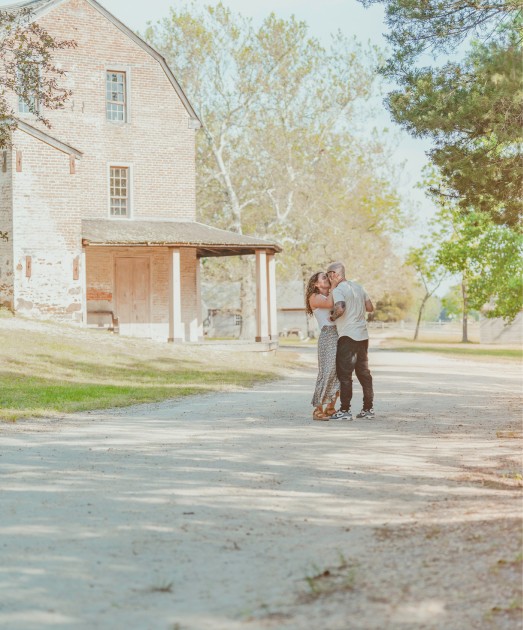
x: 351, y: 303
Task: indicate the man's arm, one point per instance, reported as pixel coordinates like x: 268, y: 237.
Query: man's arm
x: 369, y: 307
x: 337, y: 311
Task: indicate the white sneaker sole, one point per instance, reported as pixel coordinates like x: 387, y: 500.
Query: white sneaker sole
x: 341, y: 418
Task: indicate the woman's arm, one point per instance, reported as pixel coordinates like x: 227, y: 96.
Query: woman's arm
x: 317, y: 300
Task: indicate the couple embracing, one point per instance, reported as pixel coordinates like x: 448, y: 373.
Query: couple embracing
x: 340, y: 308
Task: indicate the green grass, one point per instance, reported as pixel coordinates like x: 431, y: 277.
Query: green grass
x: 455, y: 349
x: 469, y: 351
x: 47, y: 373
x: 295, y: 341
x: 31, y: 396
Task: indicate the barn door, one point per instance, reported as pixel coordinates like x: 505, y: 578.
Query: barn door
x: 133, y: 296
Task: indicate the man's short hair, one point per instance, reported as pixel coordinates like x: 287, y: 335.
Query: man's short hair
x: 337, y: 267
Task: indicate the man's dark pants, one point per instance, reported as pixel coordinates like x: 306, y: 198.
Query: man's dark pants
x: 352, y: 356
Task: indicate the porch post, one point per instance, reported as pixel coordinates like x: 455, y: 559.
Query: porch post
x: 271, y: 290
x: 197, y: 331
x: 175, y: 297
x: 83, y: 283
x: 262, y: 308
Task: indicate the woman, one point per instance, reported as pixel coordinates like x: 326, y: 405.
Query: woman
x: 318, y: 302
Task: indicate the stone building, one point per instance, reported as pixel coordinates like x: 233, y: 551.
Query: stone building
x: 97, y: 213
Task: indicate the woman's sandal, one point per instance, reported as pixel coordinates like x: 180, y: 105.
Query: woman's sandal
x: 330, y: 409
x: 320, y: 415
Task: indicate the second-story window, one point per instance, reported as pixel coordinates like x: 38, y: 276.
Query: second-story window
x: 28, y: 84
x: 119, y: 186
x: 116, y: 96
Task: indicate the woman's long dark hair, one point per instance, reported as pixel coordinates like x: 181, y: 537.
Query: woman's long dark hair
x: 311, y: 288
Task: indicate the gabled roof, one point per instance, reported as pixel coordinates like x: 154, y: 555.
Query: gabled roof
x: 40, y: 7
x: 209, y: 241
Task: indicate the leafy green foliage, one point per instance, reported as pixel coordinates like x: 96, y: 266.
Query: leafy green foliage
x: 392, y: 307
x: 27, y: 70
x: 471, y: 109
x: 488, y: 256
x: 440, y: 26
x: 452, y: 303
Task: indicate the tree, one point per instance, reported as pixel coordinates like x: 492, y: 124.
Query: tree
x: 391, y: 307
x: 440, y: 26
x: 471, y: 109
x: 452, y: 304
x: 488, y: 258
x: 27, y: 70
x: 473, y: 113
x: 277, y: 156
x: 430, y: 274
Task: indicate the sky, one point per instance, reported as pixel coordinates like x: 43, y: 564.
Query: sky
x: 323, y: 17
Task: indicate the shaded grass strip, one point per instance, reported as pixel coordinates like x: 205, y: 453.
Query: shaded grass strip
x: 36, y: 397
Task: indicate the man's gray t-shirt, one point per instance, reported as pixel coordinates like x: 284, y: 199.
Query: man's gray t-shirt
x: 352, y: 323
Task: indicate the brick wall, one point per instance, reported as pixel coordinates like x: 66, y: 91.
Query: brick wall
x: 48, y: 202
x: 101, y: 290
x: 46, y: 232
x: 156, y: 141
x: 6, y: 230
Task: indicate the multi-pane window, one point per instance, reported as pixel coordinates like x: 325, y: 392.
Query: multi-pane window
x: 28, y: 81
x: 119, y: 185
x: 116, y: 97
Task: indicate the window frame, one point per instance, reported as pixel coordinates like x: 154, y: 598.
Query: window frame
x: 21, y: 102
x: 126, y: 71
x: 129, y: 167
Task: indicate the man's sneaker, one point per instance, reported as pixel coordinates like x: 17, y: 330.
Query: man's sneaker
x: 342, y: 415
x: 366, y: 413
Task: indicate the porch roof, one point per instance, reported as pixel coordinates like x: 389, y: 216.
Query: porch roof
x: 209, y: 241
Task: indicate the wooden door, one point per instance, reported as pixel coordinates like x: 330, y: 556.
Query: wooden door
x: 132, y: 280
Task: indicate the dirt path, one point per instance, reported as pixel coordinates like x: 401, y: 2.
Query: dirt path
x: 236, y: 511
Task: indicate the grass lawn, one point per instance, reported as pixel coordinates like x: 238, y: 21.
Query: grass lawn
x: 60, y: 369
x: 295, y: 341
x: 459, y: 350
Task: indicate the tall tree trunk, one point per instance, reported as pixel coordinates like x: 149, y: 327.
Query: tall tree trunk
x: 420, y: 313
x: 248, y: 299
x: 464, y: 292
x: 247, y: 285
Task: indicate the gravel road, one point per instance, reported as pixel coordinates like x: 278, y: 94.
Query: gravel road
x: 236, y: 511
